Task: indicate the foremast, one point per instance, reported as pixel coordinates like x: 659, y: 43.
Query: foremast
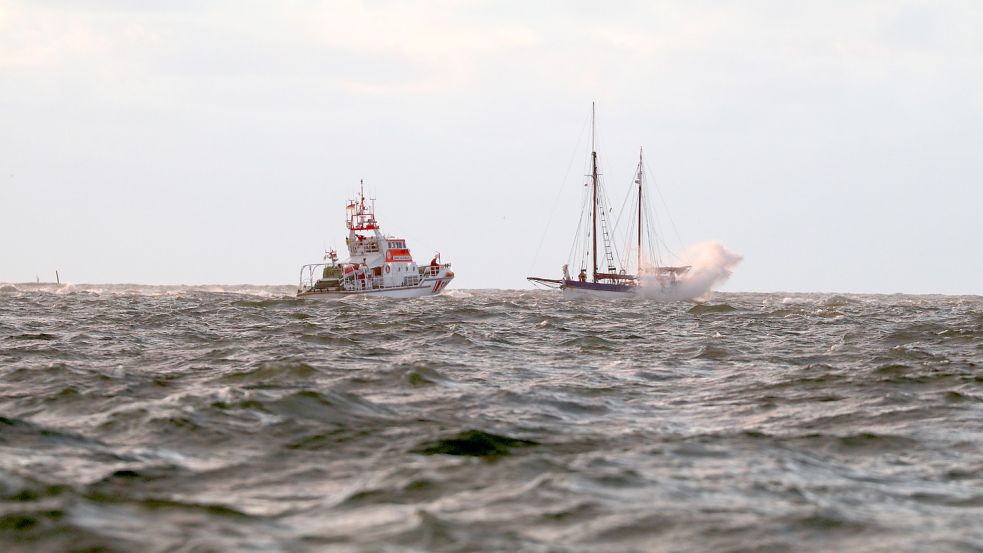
x: 599, y: 221
x: 593, y: 173
x: 638, y: 181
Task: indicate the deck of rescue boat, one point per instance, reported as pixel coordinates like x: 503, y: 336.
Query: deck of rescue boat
x: 355, y: 281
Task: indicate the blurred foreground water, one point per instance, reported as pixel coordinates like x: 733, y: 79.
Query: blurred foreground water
x: 240, y: 419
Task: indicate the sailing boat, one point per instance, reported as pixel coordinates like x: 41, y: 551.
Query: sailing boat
x: 605, y: 276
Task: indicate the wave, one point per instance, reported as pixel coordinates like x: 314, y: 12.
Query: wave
x: 278, y: 372
x: 474, y: 443
x: 272, y: 291
x: 711, y: 308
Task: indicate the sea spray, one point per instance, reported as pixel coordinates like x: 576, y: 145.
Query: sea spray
x: 711, y: 264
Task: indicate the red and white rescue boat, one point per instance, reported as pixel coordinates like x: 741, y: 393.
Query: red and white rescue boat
x: 378, y: 265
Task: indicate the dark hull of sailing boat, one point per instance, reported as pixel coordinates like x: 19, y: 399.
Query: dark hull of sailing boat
x: 577, y: 289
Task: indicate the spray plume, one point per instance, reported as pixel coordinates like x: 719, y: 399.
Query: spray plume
x: 711, y: 265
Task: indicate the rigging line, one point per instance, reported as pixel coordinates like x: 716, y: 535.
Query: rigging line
x: 630, y: 235
x: 580, y: 224
x: 651, y: 231
x: 650, y: 221
x: 575, y: 246
x: 665, y: 206
x: 631, y: 195
x: 609, y: 244
x: 585, y: 213
x: 628, y: 196
x: 658, y: 245
x: 629, y: 246
x: 654, y: 247
x: 556, y: 200
x: 602, y: 203
x: 665, y: 243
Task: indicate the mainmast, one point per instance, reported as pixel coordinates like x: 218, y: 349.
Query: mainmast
x: 593, y: 159
x: 639, y: 182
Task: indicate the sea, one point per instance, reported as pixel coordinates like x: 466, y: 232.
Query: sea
x: 199, y: 419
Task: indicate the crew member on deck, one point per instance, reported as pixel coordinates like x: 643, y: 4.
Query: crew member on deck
x: 583, y: 275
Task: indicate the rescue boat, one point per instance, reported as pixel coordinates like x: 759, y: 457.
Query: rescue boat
x: 377, y: 265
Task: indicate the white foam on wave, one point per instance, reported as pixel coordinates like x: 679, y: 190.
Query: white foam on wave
x: 263, y: 291
x: 457, y: 293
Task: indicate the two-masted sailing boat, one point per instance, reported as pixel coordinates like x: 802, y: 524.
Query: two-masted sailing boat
x: 605, y: 275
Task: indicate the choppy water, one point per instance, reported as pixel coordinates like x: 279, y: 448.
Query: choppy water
x: 174, y: 419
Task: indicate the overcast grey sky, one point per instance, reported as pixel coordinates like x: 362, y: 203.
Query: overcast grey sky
x: 837, y: 146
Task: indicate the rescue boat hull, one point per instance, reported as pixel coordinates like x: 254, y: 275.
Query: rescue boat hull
x: 425, y: 288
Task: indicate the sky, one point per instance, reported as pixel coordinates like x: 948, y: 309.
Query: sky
x: 836, y: 145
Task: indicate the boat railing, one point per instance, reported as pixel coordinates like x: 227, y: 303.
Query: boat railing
x: 363, y: 246
x: 308, y: 275
x: 355, y: 281
x: 433, y: 270
x: 311, y: 273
